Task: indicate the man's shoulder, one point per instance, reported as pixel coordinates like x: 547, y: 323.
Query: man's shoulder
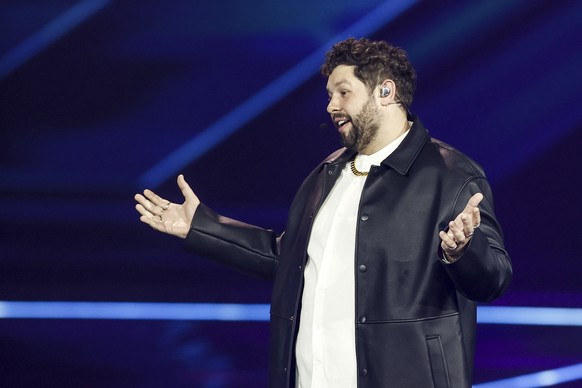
x: 453, y: 158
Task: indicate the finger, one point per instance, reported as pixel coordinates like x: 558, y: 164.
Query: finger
x: 468, y: 227
x: 476, y: 218
x: 159, y: 204
x: 141, y: 199
x: 447, y: 243
x: 144, y: 203
x: 473, y: 202
x: 458, y: 233
x: 153, y: 220
x: 141, y: 210
x: 156, y: 200
x: 186, y: 190
x: 451, y: 235
x: 450, y: 240
x: 147, y: 215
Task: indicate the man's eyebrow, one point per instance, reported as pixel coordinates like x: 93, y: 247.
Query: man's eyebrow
x: 341, y: 81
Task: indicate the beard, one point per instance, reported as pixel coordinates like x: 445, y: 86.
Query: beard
x: 365, y: 127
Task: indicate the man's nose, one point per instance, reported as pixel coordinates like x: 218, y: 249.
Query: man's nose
x: 332, y: 105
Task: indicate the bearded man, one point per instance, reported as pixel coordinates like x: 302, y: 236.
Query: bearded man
x: 389, y: 244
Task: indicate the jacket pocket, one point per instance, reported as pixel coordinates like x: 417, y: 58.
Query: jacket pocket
x: 438, y: 363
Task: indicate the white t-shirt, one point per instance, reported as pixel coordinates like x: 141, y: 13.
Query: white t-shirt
x: 325, y: 349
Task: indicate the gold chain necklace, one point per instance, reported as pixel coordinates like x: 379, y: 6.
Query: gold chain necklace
x: 357, y: 172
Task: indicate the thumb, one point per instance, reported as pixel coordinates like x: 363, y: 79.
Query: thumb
x: 187, y: 191
x: 475, y: 200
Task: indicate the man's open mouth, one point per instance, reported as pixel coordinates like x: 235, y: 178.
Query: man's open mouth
x: 341, y: 123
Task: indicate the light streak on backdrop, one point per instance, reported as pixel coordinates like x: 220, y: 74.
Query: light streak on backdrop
x: 49, y: 34
x: 544, y: 316
x: 545, y: 378
x: 266, y: 97
x: 260, y: 312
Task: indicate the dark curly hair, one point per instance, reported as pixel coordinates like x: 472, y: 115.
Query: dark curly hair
x: 374, y: 62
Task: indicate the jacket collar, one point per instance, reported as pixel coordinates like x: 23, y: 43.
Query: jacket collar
x: 402, y: 158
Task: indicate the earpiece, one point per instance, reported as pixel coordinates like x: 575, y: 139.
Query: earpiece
x: 385, y: 91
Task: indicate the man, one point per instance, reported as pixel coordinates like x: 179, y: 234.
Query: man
x: 389, y: 244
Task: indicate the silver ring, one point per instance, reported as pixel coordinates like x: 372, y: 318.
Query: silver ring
x: 167, y: 206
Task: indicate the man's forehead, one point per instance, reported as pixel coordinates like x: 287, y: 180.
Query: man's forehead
x: 342, y: 74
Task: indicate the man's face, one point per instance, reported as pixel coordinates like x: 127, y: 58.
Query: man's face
x: 352, y: 108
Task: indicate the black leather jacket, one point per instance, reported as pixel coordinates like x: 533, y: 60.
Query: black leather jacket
x: 415, y: 315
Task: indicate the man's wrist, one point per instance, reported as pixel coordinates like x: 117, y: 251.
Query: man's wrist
x: 447, y: 259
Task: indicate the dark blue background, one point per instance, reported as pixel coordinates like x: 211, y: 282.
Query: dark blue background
x: 86, y: 119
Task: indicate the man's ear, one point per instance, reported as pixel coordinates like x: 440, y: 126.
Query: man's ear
x: 387, y: 92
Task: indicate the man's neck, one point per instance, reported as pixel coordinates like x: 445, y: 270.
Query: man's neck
x: 393, y: 130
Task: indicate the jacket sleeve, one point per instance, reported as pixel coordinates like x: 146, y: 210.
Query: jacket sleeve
x: 483, y: 272
x: 238, y: 245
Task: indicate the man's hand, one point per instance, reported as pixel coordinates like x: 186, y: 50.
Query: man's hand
x: 454, y: 241
x: 165, y: 216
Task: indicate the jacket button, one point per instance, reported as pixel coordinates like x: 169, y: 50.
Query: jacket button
x: 330, y: 172
x: 362, y: 268
x: 363, y: 319
x: 364, y: 217
x: 300, y: 268
x: 364, y: 372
